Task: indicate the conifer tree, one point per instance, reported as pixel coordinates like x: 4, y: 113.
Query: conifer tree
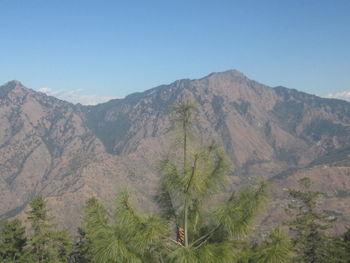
x: 45, y: 245
x: 310, y: 225
x: 94, y: 221
x: 12, y: 241
x: 189, y: 180
x: 82, y: 248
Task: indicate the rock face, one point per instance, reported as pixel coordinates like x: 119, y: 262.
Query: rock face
x: 69, y: 153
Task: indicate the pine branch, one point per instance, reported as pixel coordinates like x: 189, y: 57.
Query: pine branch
x: 205, y: 237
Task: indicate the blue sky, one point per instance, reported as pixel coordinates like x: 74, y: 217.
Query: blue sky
x: 113, y: 48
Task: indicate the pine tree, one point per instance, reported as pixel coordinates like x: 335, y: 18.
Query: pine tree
x: 276, y: 249
x: 62, y: 243
x: 188, y: 181
x: 82, y: 248
x: 310, y: 225
x: 94, y: 221
x: 12, y: 241
x: 45, y: 245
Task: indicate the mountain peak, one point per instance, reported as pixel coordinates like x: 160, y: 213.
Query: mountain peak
x: 17, y: 82
x: 16, y: 88
x: 14, y: 83
x: 232, y: 73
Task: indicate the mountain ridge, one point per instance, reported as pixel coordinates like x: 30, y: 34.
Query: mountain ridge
x: 69, y: 152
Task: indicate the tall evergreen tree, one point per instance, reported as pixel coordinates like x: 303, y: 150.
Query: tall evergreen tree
x: 82, y: 248
x: 190, y: 178
x: 310, y: 225
x: 94, y: 221
x: 12, y: 241
x: 45, y: 245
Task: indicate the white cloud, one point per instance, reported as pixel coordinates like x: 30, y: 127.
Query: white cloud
x: 345, y: 95
x: 76, y: 96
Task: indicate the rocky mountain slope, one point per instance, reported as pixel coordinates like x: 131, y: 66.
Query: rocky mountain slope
x: 69, y: 153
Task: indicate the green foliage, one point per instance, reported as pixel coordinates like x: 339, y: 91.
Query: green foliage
x: 338, y: 250
x: 277, y: 249
x: 211, y: 253
x: 346, y: 242
x: 82, y: 248
x: 45, y: 245
x: 310, y: 225
x: 38, y: 216
x: 131, y: 238
x: 184, y: 114
x: 236, y: 215
x: 12, y: 241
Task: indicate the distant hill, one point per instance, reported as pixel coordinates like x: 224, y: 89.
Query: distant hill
x: 69, y: 152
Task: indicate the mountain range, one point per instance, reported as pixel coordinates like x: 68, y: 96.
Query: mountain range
x: 70, y: 152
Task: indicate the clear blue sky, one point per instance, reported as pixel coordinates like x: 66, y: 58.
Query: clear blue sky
x: 114, y: 48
